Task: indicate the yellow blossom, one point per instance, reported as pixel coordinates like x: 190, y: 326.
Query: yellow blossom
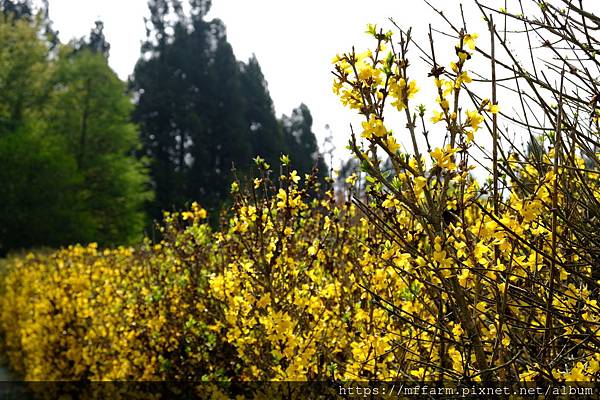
x: 373, y: 127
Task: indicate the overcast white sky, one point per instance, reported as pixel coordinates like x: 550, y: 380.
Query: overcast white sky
x: 294, y: 42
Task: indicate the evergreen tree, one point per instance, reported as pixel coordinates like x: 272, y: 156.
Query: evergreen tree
x: 225, y: 134
x: 163, y: 86
x: 302, y: 142
x: 96, y: 42
x: 202, y: 112
x: 265, y: 132
x: 189, y: 106
x: 20, y: 9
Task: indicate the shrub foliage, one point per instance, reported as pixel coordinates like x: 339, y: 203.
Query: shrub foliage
x: 426, y: 275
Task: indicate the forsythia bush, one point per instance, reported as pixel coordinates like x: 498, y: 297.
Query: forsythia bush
x: 295, y: 289
x: 429, y: 275
x: 502, y: 277
x: 276, y: 295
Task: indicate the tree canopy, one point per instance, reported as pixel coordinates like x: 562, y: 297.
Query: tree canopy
x: 66, y: 144
x: 87, y: 158
x: 201, y: 112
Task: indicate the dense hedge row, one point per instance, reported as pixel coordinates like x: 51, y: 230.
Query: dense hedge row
x: 426, y: 275
x: 292, y: 288
x: 272, y: 296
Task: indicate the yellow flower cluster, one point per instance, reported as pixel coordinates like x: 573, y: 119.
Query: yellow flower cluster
x: 423, y: 277
x: 365, y: 81
x: 276, y: 295
x: 294, y: 290
x: 85, y: 313
x: 490, y: 286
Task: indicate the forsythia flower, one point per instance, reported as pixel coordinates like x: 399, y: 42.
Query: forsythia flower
x: 402, y: 92
x: 373, y: 127
x: 437, y: 116
x: 391, y: 144
x: 282, y: 196
x: 443, y: 157
x: 474, y: 119
x: 493, y: 108
x: 462, y: 78
x: 469, y: 40
x: 294, y: 176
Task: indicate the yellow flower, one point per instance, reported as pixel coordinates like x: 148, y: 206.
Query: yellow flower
x: 493, y: 108
x: 444, y: 103
x: 337, y: 86
x: 366, y: 72
x: 282, y: 196
x: 443, y: 157
x: 351, y: 180
x: 374, y: 126
x: 294, y: 177
x: 437, y: 116
x: 419, y: 185
x: 577, y: 374
x: 418, y: 373
x: 474, y: 119
x: 391, y: 144
x: 481, y: 307
x: 462, y: 78
x: 198, y: 211
x: 402, y: 92
x: 464, y: 276
x: 412, y: 89
x: 469, y: 40
x: 528, y: 376
x: 457, y: 331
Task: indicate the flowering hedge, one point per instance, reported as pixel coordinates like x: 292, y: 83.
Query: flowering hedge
x: 429, y: 275
x: 293, y: 288
x: 275, y: 295
x: 504, y: 272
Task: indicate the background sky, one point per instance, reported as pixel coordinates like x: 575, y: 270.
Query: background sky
x: 294, y: 42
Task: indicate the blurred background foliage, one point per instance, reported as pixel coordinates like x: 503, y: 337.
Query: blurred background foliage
x: 86, y: 157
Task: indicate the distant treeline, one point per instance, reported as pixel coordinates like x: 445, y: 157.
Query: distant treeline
x: 86, y: 157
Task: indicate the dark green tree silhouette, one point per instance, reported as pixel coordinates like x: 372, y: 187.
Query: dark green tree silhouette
x: 96, y: 42
x: 190, y: 106
x: 265, y: 132
x: 302, y: 142
x: 21, y: 9
x: 202, y: 112
x: 224, y: 142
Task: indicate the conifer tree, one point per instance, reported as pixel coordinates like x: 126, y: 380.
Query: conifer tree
x: 265, y: 132
x: 202, y: 112
x: 302, y: 142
